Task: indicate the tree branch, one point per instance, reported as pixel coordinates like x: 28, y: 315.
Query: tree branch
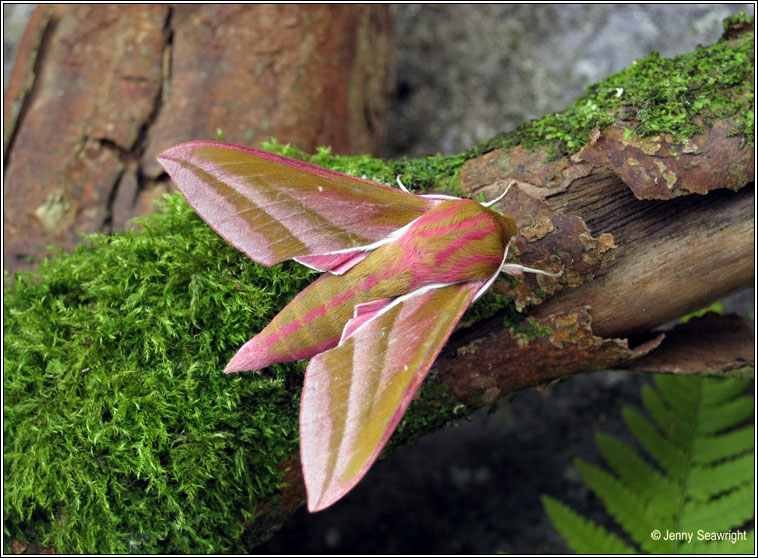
x: 638, y: 249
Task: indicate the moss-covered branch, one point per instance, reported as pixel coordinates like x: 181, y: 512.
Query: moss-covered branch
x: 122, y: 435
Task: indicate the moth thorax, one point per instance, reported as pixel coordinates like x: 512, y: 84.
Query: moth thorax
x: 457, y: 241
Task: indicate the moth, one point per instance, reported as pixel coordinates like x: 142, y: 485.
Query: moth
x: 400, y: 271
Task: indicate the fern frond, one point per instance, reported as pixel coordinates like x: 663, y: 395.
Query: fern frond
x: 583, y: 535
x: 668, y: 456
x: 706, y: 482
x: 628, y: 508
x: 637, y: 473
x: 673, y: 425
x: 682, y: 396
x: 730, y: 511
x: 705, y: 487
x: 717, y: 390
x: 727, y: 415
x: 709, y: 449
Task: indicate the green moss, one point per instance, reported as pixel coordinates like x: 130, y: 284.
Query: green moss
x: 737, y: 19
x: 529, y: 328
x: 653, y: 96
x: 539, y: 292
x: 489, y: 305
x: 435, y: 172
x: 121, y: 433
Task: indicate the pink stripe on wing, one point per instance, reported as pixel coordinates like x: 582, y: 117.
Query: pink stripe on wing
x: 364, y: 313
x: 423, y: 231
x: 462, y: 242
x: 336, y: 263
x: 291, y: 214
x: 444, y: 214
x: 216, y: 210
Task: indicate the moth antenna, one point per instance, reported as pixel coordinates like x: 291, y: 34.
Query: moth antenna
x: 518, y: 269
x: 501, y: 196
x: 402, y: 186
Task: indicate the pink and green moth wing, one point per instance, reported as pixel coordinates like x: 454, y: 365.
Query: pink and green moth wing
x: 356, y: 393
x: 274, y: 208
x: 411, y: 265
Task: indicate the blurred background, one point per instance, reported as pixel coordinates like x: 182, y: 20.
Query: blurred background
x: 464, y: 74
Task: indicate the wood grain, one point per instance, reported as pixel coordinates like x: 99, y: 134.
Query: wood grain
x: 672, y: 256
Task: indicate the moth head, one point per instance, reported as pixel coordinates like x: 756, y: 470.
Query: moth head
x: 507, y: 227
x: 506, y: 224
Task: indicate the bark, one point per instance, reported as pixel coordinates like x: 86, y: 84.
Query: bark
x: 98, y: 91
x: 668, y: 258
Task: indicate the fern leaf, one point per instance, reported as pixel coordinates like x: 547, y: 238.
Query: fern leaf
x: 706, y: 486
x: 727, y: 415
x: 583, y: 535
x: 705, y: 482
x: 729, y: 511
x: 638, y: 475
x: 718, y: 390
x: 669, y: 457
x: 682, y: 395
x: 709, y: 449
x: 627, y: 508
x: 734, y: 542
x: 674, y: 426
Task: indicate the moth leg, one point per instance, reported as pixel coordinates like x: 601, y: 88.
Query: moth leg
x: 402, y: 186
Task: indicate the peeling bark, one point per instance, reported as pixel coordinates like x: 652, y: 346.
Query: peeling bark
x: 673, y: 257
x: 497, y: 361
x: 550, y: 241
x: 651, y: 261
x: 712, y: 344
x: 661, y: 168
x: 670, y: 257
